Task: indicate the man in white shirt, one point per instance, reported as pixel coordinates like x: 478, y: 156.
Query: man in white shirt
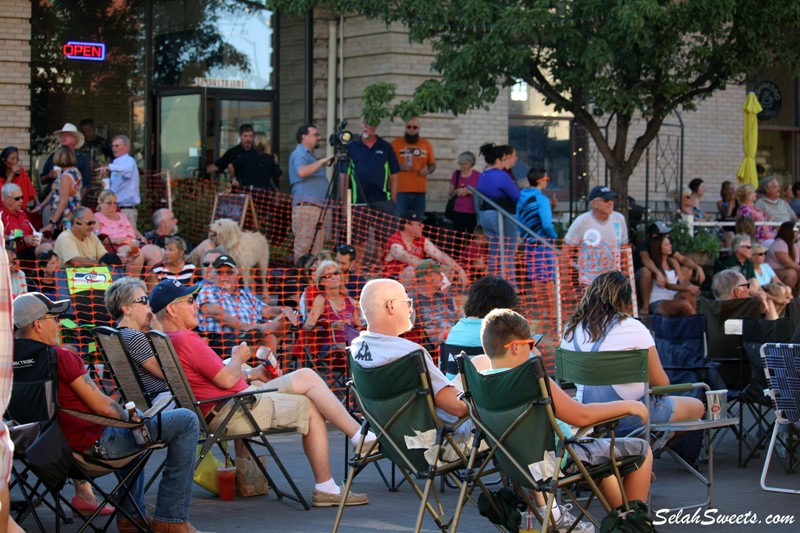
x: 776, y: 208
x: 124, y: 177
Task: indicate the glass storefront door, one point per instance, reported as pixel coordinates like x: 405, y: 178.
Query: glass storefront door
x: 229, y: 113
x: 179, y: 135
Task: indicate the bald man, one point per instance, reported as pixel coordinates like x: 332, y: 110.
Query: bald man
x: 387, y: 309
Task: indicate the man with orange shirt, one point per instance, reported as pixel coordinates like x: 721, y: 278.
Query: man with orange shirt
x: 415, y: 156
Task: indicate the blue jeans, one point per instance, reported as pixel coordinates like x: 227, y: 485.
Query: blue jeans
x: 179, y: 431
x: 490, y: 222
x: 410, y: 201
x: 661, y: 408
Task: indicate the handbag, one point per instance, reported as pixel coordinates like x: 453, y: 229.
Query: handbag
x: 450, y: 208
x: 50, y: 456
x: 205, y: 474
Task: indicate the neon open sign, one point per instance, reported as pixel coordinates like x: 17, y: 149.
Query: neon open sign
x: 84, y: 51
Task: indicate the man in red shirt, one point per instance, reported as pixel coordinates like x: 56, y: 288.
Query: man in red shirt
x: 17, y: 225
x: 303, y: 401
x: 408, y: 246
x: 36, y: 320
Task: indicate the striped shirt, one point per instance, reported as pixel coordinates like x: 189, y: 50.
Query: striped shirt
x: 140, y: 351
x: 184, y: 276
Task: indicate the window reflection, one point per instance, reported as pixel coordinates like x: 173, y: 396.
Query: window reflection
x: 212, y: 43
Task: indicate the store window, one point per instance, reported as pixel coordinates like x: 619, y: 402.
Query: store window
x: 778, y: 123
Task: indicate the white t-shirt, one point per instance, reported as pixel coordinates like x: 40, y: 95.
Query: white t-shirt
x: 662, y: 293
x: 598, y: 244
x: 627, y: 334
x: 371, y: 350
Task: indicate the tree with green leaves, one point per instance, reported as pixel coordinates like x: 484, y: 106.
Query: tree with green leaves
x: 604, y: 61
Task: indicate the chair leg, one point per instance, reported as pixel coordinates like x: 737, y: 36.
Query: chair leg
x: 298, y: 496
x: 340, y: 510
x: 765, y: 469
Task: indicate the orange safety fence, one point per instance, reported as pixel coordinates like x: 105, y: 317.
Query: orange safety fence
x: 549, y: 281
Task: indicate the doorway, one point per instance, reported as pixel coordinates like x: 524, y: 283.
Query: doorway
x: 196, y: 125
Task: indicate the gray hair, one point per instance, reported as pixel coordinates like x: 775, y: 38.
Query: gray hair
x: 9, y: 189
x: 120, y: 293
x: 466, y: 158
x: 159, y: 215
x: 739, y: 239
x: 177, y: 241
x: 766, y: 181
x: 725, y: 282
x: 124, y: 138
x: 77, y: 214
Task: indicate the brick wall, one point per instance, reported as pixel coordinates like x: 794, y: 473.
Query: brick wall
x: 15, y: 84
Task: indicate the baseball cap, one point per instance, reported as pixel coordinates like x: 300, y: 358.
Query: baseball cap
x: 426, y: 266
x: 601, y: 191
x: 169, y: 290
x: 658, y: 228
x: 224, y: 260
x: 412, y: 216
x: 32, y: 306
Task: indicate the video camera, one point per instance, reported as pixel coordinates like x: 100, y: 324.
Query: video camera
x: 340, y: 139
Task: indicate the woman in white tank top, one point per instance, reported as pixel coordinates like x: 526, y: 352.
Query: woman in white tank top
x: 678, y: 296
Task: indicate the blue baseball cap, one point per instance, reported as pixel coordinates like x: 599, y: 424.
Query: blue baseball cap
x: 169, y: 290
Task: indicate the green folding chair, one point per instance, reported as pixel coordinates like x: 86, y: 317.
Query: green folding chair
x: 514, y: 413
x: 630, y: 366
x: 396, y: 400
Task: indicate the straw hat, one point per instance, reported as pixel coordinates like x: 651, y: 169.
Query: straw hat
x: 70, y: 128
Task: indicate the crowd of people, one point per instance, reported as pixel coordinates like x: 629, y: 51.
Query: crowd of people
x: 211, y: 306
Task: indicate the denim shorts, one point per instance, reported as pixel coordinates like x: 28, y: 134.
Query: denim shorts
x: 597, y: 452
x: 661, y: 408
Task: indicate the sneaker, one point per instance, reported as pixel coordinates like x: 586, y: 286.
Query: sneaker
x: 326, y: 499
x: 567, y: 519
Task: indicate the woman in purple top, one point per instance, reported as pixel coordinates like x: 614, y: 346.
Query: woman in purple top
x: 464, y: 217
x: 498, y: 185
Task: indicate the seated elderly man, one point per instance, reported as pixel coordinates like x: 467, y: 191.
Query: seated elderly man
x: 166, y: 225
x: 78, y: 246
x: 303, y: 401
x: 230, y: 312
x: 37, y: 325
x: 27, y: 241
x: 387, y: 310
x: 740, y: 261
x: 407, y: 247
x: 436, y: 310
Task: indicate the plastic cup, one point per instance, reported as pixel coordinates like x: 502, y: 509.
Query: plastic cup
x: 134, y: 247
x: 38, y: 238
x: 226, y: 477
x: 106, y: 183
x: 57, y: 169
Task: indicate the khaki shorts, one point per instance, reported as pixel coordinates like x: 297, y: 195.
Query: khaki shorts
x: 272, y: 410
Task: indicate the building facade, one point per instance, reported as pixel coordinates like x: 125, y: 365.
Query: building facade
x: 179, y: 76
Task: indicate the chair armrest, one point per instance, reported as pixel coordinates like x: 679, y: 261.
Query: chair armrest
x: 673, y: 389
x: 600, y: 428
x: 100, y: 419
x: 237, y: 395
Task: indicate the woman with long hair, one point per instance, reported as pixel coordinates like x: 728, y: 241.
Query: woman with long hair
x: 12, y: 171
x: 498, y: 185
x: 783, y: 256
x: 602, y: 322
x: 65, y: 194
x: 678, y: 296
x: 775, y: 290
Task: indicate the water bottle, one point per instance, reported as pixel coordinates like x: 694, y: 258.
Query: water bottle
x: 267, y: 358
x: 140, y: 434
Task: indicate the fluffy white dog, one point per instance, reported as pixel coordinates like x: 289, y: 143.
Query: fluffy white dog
x: 249, y: 249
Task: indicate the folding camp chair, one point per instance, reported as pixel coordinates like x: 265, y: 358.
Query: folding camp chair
x: 515, y: 415
x: 782, y: 369
x: 123, y: 369
x: 396, y: 401
x: 35, y: 395
x: 184, y: 397
x: 448, y: 353
x: 615, y: 368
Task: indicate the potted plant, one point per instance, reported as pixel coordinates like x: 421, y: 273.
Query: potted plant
x: 702, y: 246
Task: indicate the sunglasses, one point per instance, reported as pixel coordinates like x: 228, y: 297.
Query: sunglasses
x: 346, y: 249
x: 761, y: 253
x: 206, y: 263
x: 84, y: 223
x: 743, y: 285
x: 748, y: 246
x: 144, y: 300
x: 412, y: 128
x: 330, y: 275
x: 17, y: 198
x: 531, y: 342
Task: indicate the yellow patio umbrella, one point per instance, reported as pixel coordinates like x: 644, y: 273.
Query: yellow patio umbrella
x: 747, y: 170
